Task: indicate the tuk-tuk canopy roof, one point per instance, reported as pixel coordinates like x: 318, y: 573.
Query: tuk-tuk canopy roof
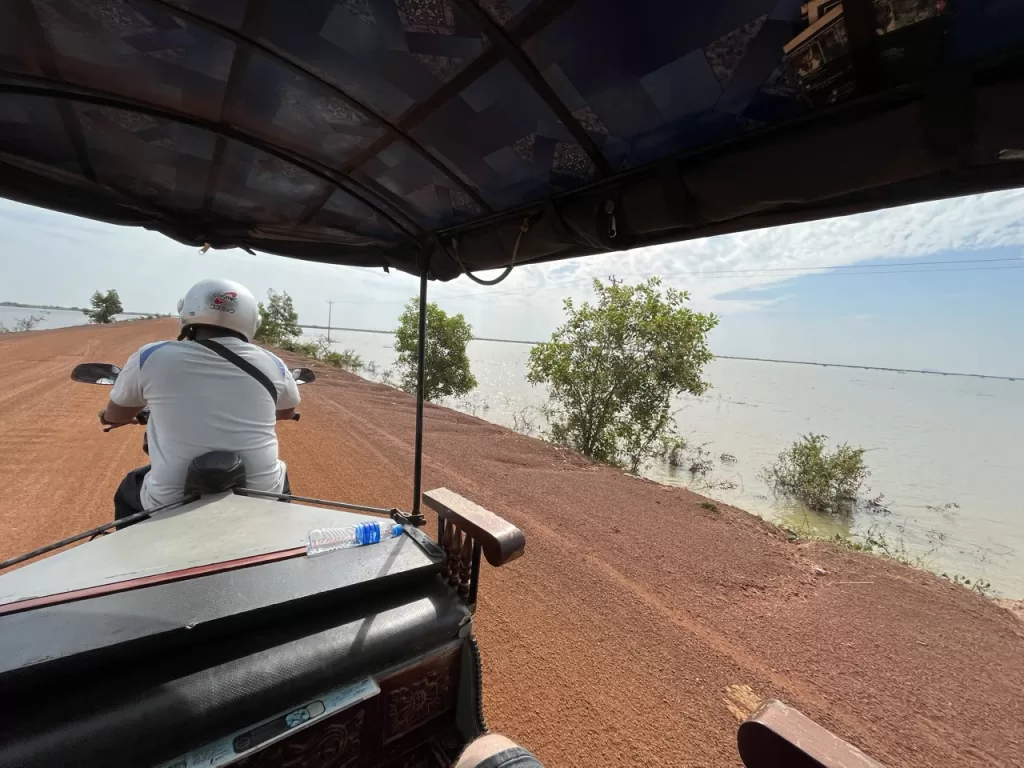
x: 471, y: 134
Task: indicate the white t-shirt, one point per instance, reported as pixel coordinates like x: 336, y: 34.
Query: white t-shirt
x: 199, y: 402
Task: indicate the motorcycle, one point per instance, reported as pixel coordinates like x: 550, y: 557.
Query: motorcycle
x: 105, y: 374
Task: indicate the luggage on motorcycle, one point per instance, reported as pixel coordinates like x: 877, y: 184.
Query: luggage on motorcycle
x: 215, y: 472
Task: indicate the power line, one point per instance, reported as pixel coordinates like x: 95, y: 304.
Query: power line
x: 734, y: 357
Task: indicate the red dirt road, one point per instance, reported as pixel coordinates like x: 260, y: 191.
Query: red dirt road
x: 638, y: 626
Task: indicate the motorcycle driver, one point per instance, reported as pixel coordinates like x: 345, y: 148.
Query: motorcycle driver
x: 211, y: 390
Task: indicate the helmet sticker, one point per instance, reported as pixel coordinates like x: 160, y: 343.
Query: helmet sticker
x: 224, y: 301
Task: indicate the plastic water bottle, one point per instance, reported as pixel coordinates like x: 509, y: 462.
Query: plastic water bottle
x: 329, y: 539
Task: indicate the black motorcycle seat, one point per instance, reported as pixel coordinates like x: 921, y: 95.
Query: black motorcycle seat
x: 215, y: 472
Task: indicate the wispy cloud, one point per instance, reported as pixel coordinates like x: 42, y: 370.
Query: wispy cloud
x: 729, y: 275
x: 721, y: 272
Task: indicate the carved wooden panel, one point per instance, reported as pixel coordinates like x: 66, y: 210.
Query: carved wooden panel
x: 412, y: 697
x: 332, y: 743
x: 440, y: 751
x: 409, y: 724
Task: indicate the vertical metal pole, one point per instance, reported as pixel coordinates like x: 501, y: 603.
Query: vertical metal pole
x: 330, y: 310
x: 421, y: 352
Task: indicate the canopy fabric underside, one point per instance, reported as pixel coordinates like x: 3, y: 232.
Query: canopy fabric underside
x: 428, y: 134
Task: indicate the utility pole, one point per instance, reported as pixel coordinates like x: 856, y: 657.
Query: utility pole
x: 330, y: 310
x: 613, y: 280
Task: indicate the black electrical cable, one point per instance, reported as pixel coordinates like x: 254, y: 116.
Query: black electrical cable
x: 95, y: 531
x: 454, y: 253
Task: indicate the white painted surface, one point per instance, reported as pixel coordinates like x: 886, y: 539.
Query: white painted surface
x: 212, y: 530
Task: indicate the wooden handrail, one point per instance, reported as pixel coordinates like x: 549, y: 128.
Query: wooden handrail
x: 778, y: 736
x: 501, y: 541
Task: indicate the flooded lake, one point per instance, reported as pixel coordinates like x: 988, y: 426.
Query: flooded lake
x: 944, y: 451
x: 51, y: 318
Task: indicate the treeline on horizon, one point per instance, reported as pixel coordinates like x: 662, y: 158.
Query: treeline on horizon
x: 39, y: 306
x: 19, y: 305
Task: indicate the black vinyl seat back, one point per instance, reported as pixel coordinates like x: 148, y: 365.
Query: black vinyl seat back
x: 215, y: 472
x: 166, y: 698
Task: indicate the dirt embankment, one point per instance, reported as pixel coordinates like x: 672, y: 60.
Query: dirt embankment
x: 637, y: 628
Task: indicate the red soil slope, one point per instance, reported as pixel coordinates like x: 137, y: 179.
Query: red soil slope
x: 638, y: 627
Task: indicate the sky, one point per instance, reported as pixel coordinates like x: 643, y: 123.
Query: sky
x: 858, y: 289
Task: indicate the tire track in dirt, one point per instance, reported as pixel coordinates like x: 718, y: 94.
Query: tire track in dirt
x: 711, y: 659
x: 637, y: 627
x: 552, y: 624
x: 707, y: 649
x: 61, y: 469
x: 377, y: 482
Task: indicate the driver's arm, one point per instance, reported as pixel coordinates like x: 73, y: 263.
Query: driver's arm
x: 115, y: 415
x: 126, y: 400
x: 287, y: 397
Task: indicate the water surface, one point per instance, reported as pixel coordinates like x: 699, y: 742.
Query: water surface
x: 944, y: 451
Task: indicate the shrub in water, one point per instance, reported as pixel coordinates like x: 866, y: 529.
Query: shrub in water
x: 824, y: 481
x: 614, y: 366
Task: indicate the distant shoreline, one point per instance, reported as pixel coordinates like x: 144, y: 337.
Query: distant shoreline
x: 18, y: 305
x: 926, y: 371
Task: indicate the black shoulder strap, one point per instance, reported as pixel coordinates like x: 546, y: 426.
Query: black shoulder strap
x: 242, y: 363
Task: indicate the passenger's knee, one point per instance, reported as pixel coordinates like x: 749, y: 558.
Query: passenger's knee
x: 496, y: 751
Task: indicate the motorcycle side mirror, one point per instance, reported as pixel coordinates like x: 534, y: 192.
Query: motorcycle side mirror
x: 95, y: 373
x: 303, y: 375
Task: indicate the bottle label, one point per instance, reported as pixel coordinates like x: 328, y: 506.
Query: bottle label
x: 367, y: 533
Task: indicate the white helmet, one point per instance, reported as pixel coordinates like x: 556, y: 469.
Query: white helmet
x: 221, y: 303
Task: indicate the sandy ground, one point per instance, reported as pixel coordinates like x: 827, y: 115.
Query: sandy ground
x: 638, y: 627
